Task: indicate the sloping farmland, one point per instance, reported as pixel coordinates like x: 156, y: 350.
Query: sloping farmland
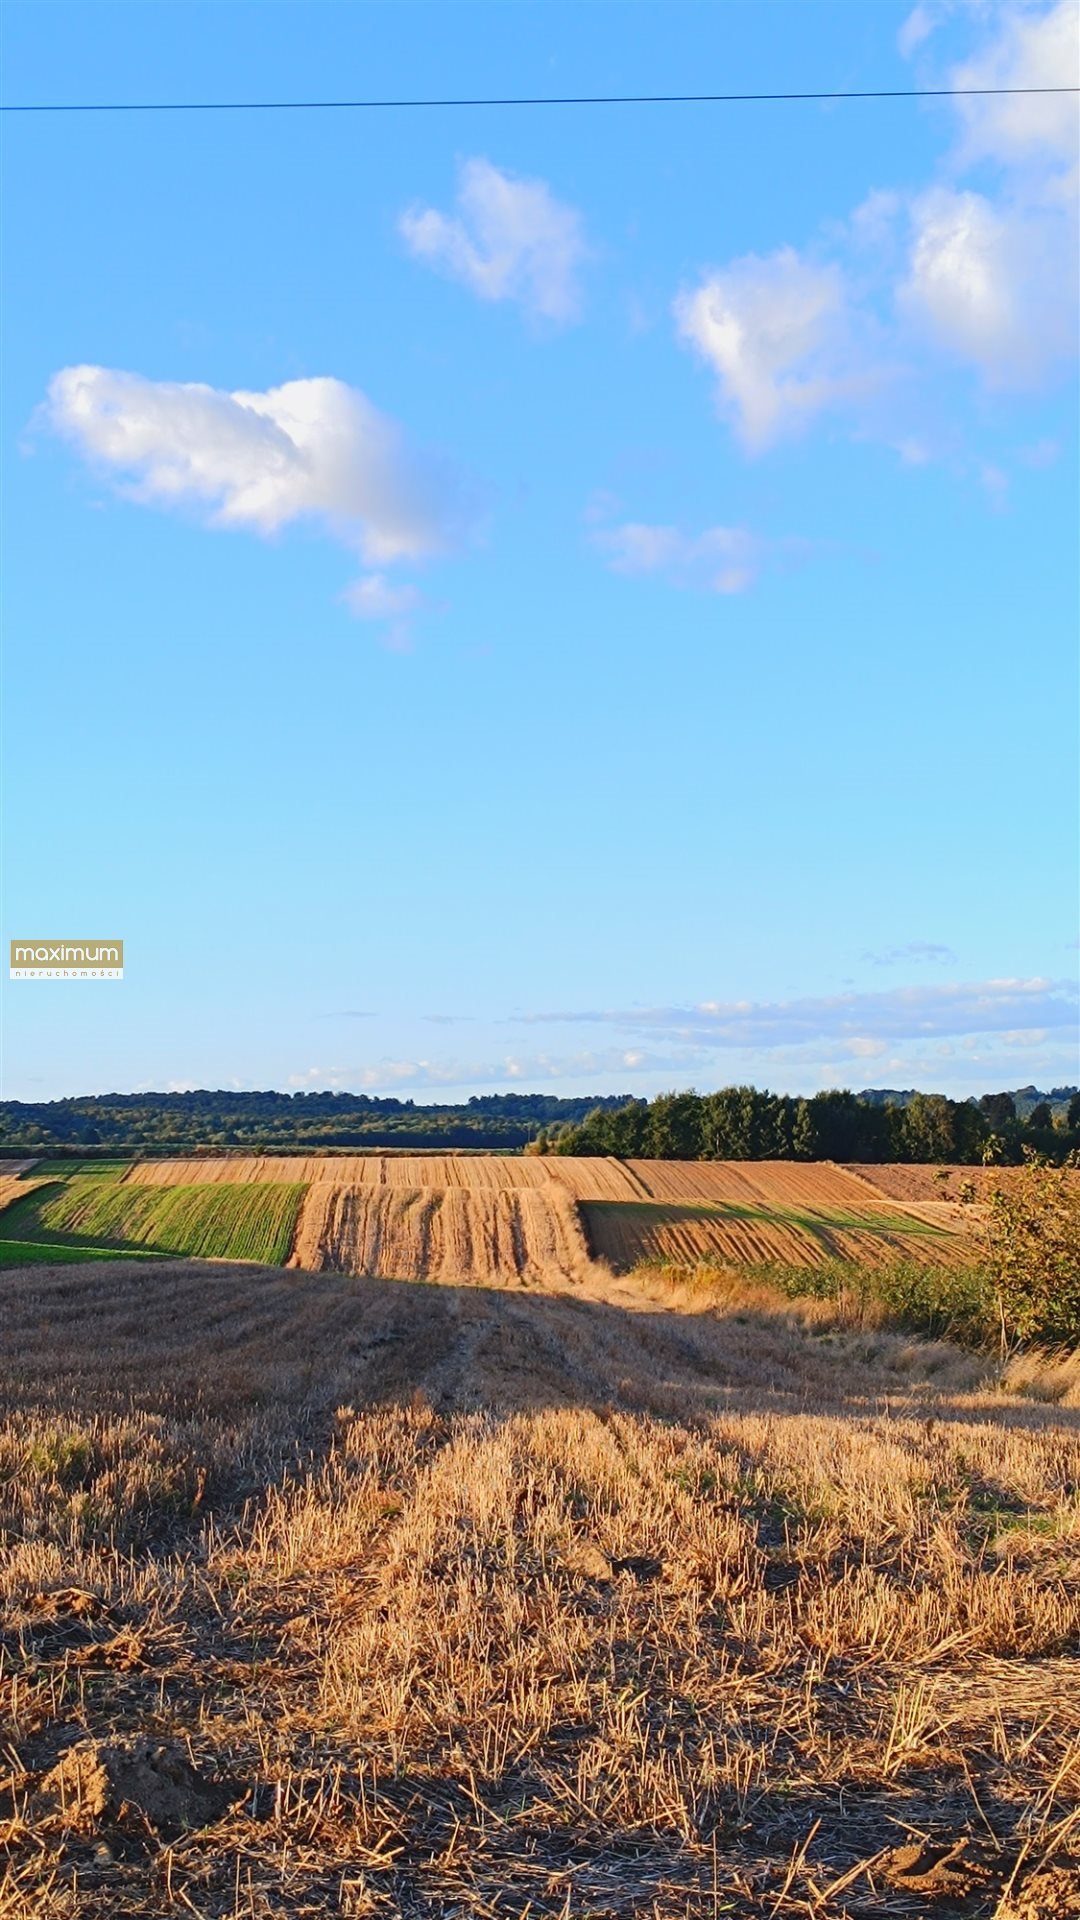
x: 448, y: 1233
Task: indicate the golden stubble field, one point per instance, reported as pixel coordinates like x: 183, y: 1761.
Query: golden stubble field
x: 537, y: 1218
x: 364, y: 1597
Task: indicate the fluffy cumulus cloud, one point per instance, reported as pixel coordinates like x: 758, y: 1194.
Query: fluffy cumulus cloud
x: 987, y: 282
x: 1032, y: 47
x: 772, y: 328
x: 993, y: 277
x: 722, y: 560
x: 315, y: 450
x: 982, y: 272
x: 510, y: 239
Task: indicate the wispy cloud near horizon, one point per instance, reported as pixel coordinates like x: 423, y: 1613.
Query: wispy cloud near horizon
x: 523, y: 1071
x: 967, y: 1035
x: 897, y: 1014
x: 917, y: 950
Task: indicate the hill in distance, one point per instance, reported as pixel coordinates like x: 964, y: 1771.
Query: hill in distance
x: 1024, y: 1098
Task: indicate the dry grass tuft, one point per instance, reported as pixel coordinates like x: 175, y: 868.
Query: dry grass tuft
x: 369, y: 1598
x: 1053, y: 1377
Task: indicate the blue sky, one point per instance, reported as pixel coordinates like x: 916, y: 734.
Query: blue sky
x: 568, y: 598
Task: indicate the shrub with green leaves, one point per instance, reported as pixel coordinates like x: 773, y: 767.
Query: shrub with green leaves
x: 1030, y: 1231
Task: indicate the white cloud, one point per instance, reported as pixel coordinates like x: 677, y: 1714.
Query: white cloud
x: 994, y: 279
x: 390, y: 1075
x: 1034, y: 47
x: 511, y: 239
x: 721, y: 560
x: 374, y: 598
x: 918, y: 27
x: 986, y: 277
x: 811, y: 1041
x: 987, y: 281
x: 773, y: 328
x: 901, y: 1013
x: 309, y: 450
x: 918, y: 950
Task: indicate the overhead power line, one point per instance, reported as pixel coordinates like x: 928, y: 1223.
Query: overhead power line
x: 553, y: 100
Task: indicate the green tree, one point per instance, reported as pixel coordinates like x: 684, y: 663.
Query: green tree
x: 1031, y: 1235
x: 627, y: 1128
x: 1041, y: 1115
x: 933, y: 1127
x: 674, y: 1129
x: 803, y: 1133
x: 998, y: 1109
x: 846, y: 1128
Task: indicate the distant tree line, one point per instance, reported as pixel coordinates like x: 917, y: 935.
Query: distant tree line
x: 257, y: 1122
x: 739, y: 1123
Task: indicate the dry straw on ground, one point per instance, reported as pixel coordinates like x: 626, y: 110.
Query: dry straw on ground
x: 364, y: 1597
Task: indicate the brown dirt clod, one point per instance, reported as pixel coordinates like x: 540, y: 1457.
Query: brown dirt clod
x: 96, y: 1782
x: 1051, y: 1894
x: 936, y: 1869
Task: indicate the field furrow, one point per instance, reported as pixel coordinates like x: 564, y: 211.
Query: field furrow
x: 450, y: 1234
x: 741, y: 1233
x: 482, y: 1217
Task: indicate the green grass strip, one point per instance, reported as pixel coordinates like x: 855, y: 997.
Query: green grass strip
x: 213, y: 1220
x: 71, y: 1169
x: 34, y: 1253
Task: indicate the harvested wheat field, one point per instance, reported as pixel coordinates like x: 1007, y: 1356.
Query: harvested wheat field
x: 489, y: 1216
x: 625, y: 1233
x: 751, y: 1212
x: 433, y: 1233
x: 13, y: 1188
x: 328, y: 1596
x: 806, y: 1185
x: 478, y: 1172
x: 922, y: 1182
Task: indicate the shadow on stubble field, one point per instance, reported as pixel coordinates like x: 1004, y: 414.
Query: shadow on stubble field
x: 324, y: 1595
